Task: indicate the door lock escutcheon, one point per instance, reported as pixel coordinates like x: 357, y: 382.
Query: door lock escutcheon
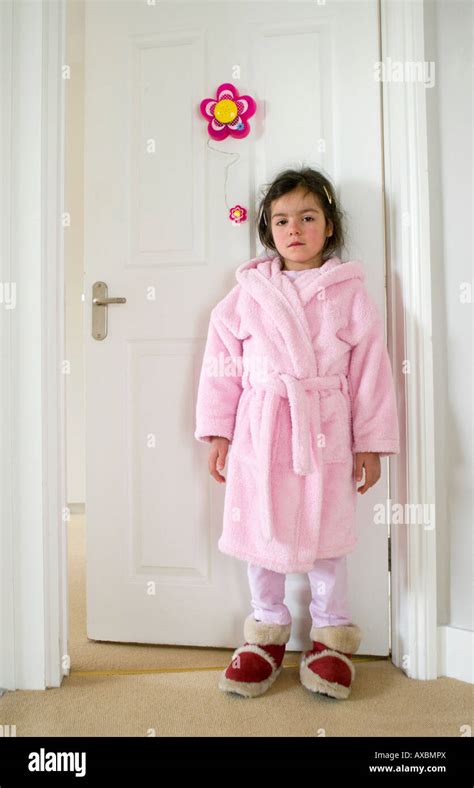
x: 100, y: 302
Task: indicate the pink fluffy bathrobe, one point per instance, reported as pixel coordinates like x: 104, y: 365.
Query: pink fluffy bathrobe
x: 297, y: 376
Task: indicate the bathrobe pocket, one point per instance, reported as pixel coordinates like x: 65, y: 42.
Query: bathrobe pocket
x: 335, y: 427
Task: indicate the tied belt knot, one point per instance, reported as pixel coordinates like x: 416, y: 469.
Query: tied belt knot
x: 303, y: 425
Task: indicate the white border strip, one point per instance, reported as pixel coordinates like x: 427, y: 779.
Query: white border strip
x: 7, y: 621
x: 33, y: 568
x: 413, y: 580
x: 54, y: 392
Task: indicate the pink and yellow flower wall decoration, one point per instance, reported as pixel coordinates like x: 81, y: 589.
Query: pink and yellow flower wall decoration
x: 228, y: 113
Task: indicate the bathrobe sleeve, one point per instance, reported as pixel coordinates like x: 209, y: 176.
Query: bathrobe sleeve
x: 219, y: 392
x: 374, y: 410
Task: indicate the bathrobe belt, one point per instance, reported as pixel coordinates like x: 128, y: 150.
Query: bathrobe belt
x: 304, y: 424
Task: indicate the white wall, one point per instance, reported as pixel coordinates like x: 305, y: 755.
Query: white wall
x: 73, y: 252
x: 448, y: 42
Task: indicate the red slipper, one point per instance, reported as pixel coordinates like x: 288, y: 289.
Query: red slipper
x: 327, y: 668
x: 255, y: 665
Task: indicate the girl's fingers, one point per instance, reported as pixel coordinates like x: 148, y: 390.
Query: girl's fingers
x: 358, y: 465
x: 216, y: 463
x: 358, y: 474
x: 221, y: 463
x: 370, y: 480
x: 217, y: 476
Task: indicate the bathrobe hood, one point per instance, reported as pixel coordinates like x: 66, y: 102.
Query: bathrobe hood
x: 270, y: 266
x: 263, y: 280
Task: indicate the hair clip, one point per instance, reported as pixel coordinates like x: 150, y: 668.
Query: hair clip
x: 327, y: 195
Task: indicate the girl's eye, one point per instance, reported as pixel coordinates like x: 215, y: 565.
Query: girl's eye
x: 306, y: 217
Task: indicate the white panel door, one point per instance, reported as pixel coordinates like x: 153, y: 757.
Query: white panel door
x: 157, y: 233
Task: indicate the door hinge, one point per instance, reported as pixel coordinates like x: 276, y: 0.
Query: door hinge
x: 389, y: 554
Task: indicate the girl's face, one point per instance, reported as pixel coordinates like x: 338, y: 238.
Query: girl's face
x: 298, y: 217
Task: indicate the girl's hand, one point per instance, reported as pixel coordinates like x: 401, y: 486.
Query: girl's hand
x: 370, y: 460
x: 217, y: 455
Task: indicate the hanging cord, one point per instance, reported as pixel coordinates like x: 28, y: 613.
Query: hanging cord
x: 225, y: 153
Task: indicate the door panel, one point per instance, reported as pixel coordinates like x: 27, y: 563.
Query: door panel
x: 157, y: 232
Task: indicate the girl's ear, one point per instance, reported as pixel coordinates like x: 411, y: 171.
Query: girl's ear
x: 330, y: 227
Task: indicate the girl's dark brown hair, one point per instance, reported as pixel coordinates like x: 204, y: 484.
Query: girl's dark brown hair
x: 312, y: 181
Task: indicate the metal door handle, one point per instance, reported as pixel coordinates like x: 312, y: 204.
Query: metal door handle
x: 105, y: 301
x: 100, y: 302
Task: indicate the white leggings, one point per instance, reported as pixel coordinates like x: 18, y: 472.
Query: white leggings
x: 328, y: 580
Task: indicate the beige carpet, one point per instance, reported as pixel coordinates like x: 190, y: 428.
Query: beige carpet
x: 382, y: 703
x: 142, y: 690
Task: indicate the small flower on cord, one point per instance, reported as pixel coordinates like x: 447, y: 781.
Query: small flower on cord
x: 238, y: 214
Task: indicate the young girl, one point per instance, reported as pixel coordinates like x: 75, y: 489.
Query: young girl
x: 297, y: 378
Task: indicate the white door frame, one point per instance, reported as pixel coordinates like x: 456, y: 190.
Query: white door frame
x: 33, y: 538
x: 409, y: 329
x: 33, y: 556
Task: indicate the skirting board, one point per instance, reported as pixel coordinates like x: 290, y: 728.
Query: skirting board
x: 455, y: 653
